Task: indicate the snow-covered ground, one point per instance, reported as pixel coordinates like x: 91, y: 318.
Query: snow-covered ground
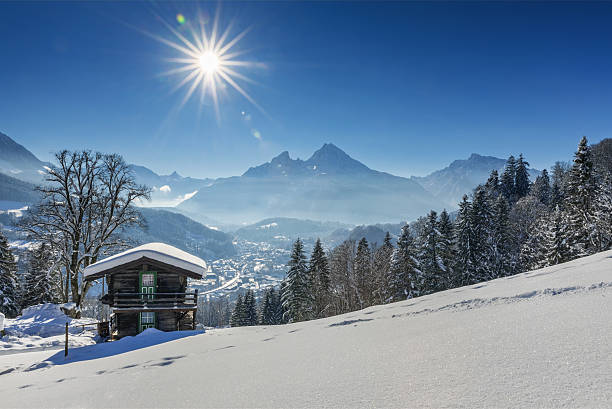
x: 539, y: 339
x: 43, y: 327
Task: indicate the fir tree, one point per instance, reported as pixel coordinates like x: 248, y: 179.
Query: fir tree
x: 481, y: 222
x: 556, y: 240
x: 271, y: 313
x: 9, y: 289
x: 236, y: 319
x: 320, y: 280
x: 521, y: 178
x: 541, y: 189
x: 250, y: 309
x: 581, y: 196
x: 465, y: 266
x: 41, y: 278
x: 447, y: 251
x: 405, y: 277
x: 557, y: 190
x: 430, y: 255
x: 507, y: 181
x: 381, y: 266
x: 501, y: 240
x: 297, y: 296
x: 492, y: 185
x: 363, y: 268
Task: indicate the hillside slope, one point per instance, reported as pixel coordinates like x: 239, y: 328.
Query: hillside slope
x: 538, y: 339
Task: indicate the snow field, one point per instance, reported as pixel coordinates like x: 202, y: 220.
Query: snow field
x: 539, y: 339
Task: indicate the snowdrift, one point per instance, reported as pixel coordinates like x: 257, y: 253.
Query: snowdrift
x: 43, y: 326
x: 538, y: 339
x: 44, y: 320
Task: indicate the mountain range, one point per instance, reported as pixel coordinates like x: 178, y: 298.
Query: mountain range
x: 330, y: 185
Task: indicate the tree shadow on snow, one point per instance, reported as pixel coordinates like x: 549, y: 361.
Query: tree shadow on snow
x: 107, y: 349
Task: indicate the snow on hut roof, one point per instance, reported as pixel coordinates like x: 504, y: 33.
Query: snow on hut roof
x: 161, y: 252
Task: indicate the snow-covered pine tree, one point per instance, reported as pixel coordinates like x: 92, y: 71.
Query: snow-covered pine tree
x: 236, y: 317
x: 603, y: 213
x: 481, y: 222
x: 541, y: 189
x: 41, y: 278
x: 363, y: 273
x: 507, y: 180
x: 501, y: 240
x: 9, y: 288
x: 581, y: 197
x: 557, y: 249
x: 319, y: 277
x: 429, y: 255
x: 405, y: 277
x: 534, y: 249
x: 250, y: 309
x: 381, y: 266
x: 557, y: 191
x: 266, y: 309
x: 271, y: 313
x: 492, y: 185
x: 447, y: 250
x: 521, y: 181
x: 465, y: 267
x: 297, y: 295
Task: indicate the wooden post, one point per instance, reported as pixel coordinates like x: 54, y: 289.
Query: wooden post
x: 66, y: 343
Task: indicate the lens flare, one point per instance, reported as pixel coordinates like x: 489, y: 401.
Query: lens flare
x: 180, y: 18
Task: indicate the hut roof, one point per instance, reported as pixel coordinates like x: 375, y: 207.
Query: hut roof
x: 161, y: 252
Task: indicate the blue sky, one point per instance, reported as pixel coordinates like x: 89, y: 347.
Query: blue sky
x: 403, y: 87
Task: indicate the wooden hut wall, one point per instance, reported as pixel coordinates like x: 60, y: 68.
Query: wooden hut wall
x: 127, y: 323
x: 127, y: 281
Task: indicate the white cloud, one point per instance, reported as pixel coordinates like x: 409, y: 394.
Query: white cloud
x: 165, y: 189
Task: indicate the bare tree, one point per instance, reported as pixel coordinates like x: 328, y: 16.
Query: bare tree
x: 86, y: 200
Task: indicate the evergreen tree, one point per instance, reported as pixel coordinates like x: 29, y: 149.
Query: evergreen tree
x: 297, y: 295
x: 501, y: 240
x: 41, y: 278
x: 581, y: 197
x: 541, y: 189
x: 521, y: 181
x: 602, y: 235
x: 465, y: 266
x: 430, y: 252
x: 492, y: 185
x: 556, y: 240
x: 250, y: 309
x: 481, y: 222
x: 237, y: 315
x: 557, y: 191
x: 405, y: 277
x: 381, y: 266
x: 271, y: 313
x: 363, y: 272
x: 447, y: 251
x: 320, y: 280
x: 9, y: 289
x: 507, y: 181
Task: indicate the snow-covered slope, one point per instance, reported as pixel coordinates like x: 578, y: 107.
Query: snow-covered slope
x: 539, y: 339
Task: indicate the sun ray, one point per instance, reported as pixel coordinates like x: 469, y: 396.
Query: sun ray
x: 206, y: 62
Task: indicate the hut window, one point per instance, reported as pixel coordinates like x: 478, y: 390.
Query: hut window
x: 147, y: 318
x: 148, y: 280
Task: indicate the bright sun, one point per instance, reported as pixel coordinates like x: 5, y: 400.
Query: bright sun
x: 209, y: 62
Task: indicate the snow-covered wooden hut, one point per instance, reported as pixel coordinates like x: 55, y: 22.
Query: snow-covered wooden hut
x: 147, y: 288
